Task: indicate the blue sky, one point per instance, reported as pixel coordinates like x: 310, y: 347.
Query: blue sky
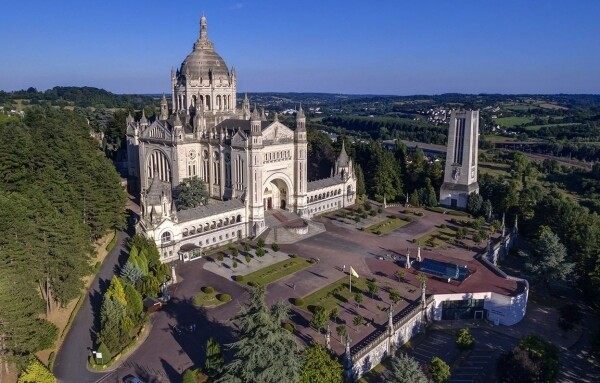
x: 350, y: 46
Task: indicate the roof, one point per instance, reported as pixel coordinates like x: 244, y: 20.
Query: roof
x: 325, y: 182
x: 156, y: 190
x: 233, y: 124
x: 203, y: 62
x: 209, y: 210
x: 189, y: 247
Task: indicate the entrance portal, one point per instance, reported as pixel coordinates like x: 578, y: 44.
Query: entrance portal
x: 275, y: 195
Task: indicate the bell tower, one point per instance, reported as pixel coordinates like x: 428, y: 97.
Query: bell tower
x: 460, y: 173
x: 300, y: 163
x: 256, y: 206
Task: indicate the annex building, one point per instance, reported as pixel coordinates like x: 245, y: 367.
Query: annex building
x: 250, y: 164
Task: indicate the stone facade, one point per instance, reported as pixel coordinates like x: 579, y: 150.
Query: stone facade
x: 460, y: 174
x: 248, y: 163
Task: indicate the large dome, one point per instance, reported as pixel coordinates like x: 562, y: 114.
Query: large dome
x: 203, y: 61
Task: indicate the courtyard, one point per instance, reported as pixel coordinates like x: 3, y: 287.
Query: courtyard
x: 321, y: 282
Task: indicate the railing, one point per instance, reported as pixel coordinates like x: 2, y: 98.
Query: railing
x: 378, y: 336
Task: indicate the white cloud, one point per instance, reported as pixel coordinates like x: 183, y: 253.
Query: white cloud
x: 236, y: 6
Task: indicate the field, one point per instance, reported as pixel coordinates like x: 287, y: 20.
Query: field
x: 495, y: 169
x: 538, y: 127
x: 507, y: 122
x: 275, y: 272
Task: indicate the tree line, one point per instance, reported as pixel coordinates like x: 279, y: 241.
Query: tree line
x: 58, y: 196
x: 384, y: 128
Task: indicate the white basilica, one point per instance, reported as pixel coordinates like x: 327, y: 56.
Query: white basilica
x: 250, y: 165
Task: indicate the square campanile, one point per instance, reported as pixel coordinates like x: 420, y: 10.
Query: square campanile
x: 460, y: 173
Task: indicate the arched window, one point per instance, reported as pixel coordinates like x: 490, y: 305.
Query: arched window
x: 166, y: 237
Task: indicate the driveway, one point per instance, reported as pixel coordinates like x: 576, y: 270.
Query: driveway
x: 71, y: 360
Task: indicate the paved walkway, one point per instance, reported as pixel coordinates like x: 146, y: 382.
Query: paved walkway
x: 226, y: 269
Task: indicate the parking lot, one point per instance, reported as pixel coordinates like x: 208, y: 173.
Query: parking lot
x: 477, y: 366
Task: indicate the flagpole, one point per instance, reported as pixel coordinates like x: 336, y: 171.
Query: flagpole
x: 350, y: 282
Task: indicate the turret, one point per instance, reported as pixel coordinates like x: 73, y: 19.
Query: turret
x: 164, y: 108
x: 300, y: 119
x: 343, y: 164
x: 255, y: 123
x: 143, y: 120
x: 245, y: 108
x: 177, y: 129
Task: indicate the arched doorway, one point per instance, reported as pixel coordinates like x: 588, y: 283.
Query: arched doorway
x: 276, y: 194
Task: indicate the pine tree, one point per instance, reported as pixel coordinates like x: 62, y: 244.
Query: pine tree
x: 549, y: 262
x: 116, y: 290
x: 265, y: 351
x: 214, y: 358
x: 406, y: 369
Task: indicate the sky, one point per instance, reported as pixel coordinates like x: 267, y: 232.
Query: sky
x: 393, y: 47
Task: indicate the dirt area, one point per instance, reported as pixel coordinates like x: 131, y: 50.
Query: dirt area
x: 60, y: 316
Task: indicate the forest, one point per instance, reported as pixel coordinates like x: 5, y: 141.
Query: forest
x: 59, y: 194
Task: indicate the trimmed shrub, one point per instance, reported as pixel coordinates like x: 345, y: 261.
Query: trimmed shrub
x: 238, y: 278
x: 290, y: 327
x: 356, y: 218
x: 275, y: 247
x: 293, y: 255
x: 252, y: 284
x: 208, y: 290
x: 367, y: 205
x: 246, y: 247
x: 220, y: 257
x: 224, y: 297
x: 234, y: 264
x: 97, y: 266
x: 298, y: 301
x: 260, y: 252
x: 380, y: 210
x: 260, y: 242
x: 464, y: 340
x: 372, y: 213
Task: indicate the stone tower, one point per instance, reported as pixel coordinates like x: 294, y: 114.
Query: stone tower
x: 300, y: 164
x: 255, y: 149
x: 460, y: 174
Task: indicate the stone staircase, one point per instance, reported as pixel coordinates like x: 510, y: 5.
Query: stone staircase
x: 277, y: 221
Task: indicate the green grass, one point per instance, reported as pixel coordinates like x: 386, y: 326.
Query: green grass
x: 495, y: 169
x: 495, y: 137
x: 386, y: 226
x: 336, y: 293
x: 512, y: 121
x: 538, y: 127
x: 438, y: 237
x: 276, y: 271
x: 442, y: 210
x: 203, y: 299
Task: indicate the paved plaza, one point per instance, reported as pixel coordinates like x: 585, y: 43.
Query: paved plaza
x: 339, y: 246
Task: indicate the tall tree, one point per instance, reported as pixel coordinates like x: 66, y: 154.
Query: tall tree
x: 406, y: 369
x: 265, y: 351
x: 549, y: 261
x: 214, y: 358
x: 320, y: 367
x: 190, y: 193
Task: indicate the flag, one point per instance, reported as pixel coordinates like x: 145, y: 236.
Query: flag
x: 353, y: 272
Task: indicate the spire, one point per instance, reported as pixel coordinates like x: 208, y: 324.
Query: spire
x: 276, y: 117
x: 343, y: 157
x: 203, y: 42
x: 129, y: 118
x: 163, y: 100
x: 262, y: 115
x: 300, y: 112
x: 255, y: 116
x: 143, y: 120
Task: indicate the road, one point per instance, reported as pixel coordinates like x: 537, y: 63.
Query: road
x: 71, y: 361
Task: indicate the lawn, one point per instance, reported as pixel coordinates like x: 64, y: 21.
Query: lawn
x: 336, y: 293
x: 445, y: 210
x: 438, y: 237
x: 512, y: 121
x: 208, y: 297
x: 386, y: 226
x: 275, y: 272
